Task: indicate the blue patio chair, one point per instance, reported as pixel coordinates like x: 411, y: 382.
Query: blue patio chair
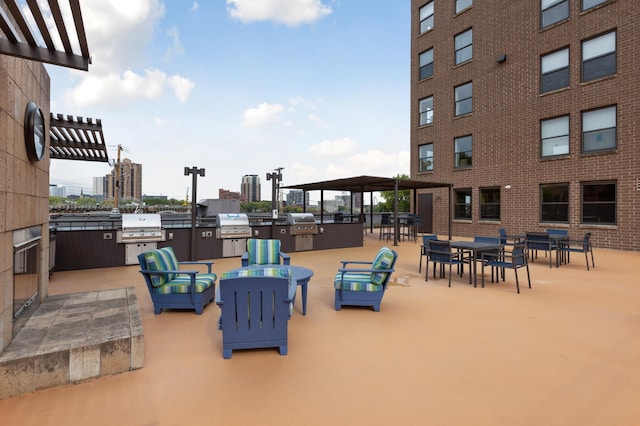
x: 425, y: 247
x: 386, y: 227
x: 359, y: 283
x: 515, y: 260
x: 495, y: 254
x: 256, y: 304
x: 173, y: 288
x: 579, y: 246
x: 441, y: 252
x: 264, y: 252
x: 541, y: 241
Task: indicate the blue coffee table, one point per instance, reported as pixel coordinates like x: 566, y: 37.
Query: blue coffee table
x: 301, y: 275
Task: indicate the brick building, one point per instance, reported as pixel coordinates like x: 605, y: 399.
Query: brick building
x: 529, y: 109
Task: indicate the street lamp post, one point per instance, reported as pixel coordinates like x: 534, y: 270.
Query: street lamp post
x: 194, y: 184
x: 275, y: 177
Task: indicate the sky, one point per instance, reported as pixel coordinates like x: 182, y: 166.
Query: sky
x: 241, y: 87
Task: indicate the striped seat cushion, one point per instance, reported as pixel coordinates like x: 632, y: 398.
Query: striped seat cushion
x: 182, y: 283
x: 258, y: 272
x: 163, y: 259
x: 355, y: 281
x: 263, y: 252
x: 384, y: 260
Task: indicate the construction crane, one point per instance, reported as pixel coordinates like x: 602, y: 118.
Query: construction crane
x: 186, y: 198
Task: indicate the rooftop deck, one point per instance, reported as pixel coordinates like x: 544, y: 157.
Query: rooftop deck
x: 565, y: 352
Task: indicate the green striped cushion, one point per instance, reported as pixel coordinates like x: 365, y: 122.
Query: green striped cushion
x: 181, y: 284
x: 355, y: 281
x: 163, y: 259
x: 257, y: 272
x: 263, y: 252
x: 383, y: 260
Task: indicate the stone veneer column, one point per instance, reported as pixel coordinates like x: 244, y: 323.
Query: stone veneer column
x: 24, y: 186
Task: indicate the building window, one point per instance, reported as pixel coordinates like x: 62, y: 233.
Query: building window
x: 599, y: 202
x: 599, y: 57
x: 426, y: 110
x: 463, y: 96
x: 490, y: 203
x: 554, y: 11
x: 554, y: 69
x: 462, y: 204
x: 464, y: 46
x: 599, y: 129
x: 462, y: 5
x: 554, y: 136
x: 588, y: 4
x: 462, y: 147
x: 426, y: 158
x: 426, y: 17
x: 426, y: 64
x: 554, y: 203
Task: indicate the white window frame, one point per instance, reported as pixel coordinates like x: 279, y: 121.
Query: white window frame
x: 554, y: 136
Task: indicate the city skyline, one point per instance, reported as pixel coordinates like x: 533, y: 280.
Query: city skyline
x: 320, y: 88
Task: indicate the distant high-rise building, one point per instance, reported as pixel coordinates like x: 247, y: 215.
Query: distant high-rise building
x: 99, y: 187
x: 296, y: 197
x: 250, y: 190
x: 130, y: 181
x: 57, y: 191
x: 225, y: 194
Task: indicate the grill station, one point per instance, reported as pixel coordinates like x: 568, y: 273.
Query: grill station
x: 303, y: 226
x: 140, y: 232
x: 233, y: 229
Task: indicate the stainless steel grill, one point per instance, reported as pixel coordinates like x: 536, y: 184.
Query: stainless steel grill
x: 302, y: 224
x: 137, y: 228
x: 233, y: 229
x: 140, y: 232
x: 303, y: 227
x: 233, y: 225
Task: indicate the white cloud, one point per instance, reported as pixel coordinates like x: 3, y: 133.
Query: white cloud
x: 176, y: 47
x: 116, y: 88
x: 333, y: 148
x: 263, y: 115
x: 317, y: 120
x: 118, y: 33
x: 195, y: 6
x: 182, y: 87
x: 289, y: 12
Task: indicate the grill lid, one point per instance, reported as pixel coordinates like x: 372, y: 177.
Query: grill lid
x: 301, y: 218
x: 233, y: 225
x: 141, y: 222
x: 140, y: 227
x: 232, y: 219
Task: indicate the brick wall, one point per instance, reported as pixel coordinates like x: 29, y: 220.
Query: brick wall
x: 508, y: 107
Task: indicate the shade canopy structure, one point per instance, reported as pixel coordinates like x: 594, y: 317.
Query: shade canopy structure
x: 77, y: 139
x: 373, y: 184
x: 51, y: 32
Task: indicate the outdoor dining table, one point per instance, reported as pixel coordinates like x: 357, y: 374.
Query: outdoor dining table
x: 476, y: 248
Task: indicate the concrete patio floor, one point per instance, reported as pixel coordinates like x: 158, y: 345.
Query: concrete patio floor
x: 566, y: 352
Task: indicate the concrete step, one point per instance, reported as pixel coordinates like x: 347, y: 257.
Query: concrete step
x: 72, y: 338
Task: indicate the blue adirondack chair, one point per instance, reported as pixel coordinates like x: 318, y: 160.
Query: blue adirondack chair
x: 173, y: 288
x: 360, y: 283
x: 256, y: 305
